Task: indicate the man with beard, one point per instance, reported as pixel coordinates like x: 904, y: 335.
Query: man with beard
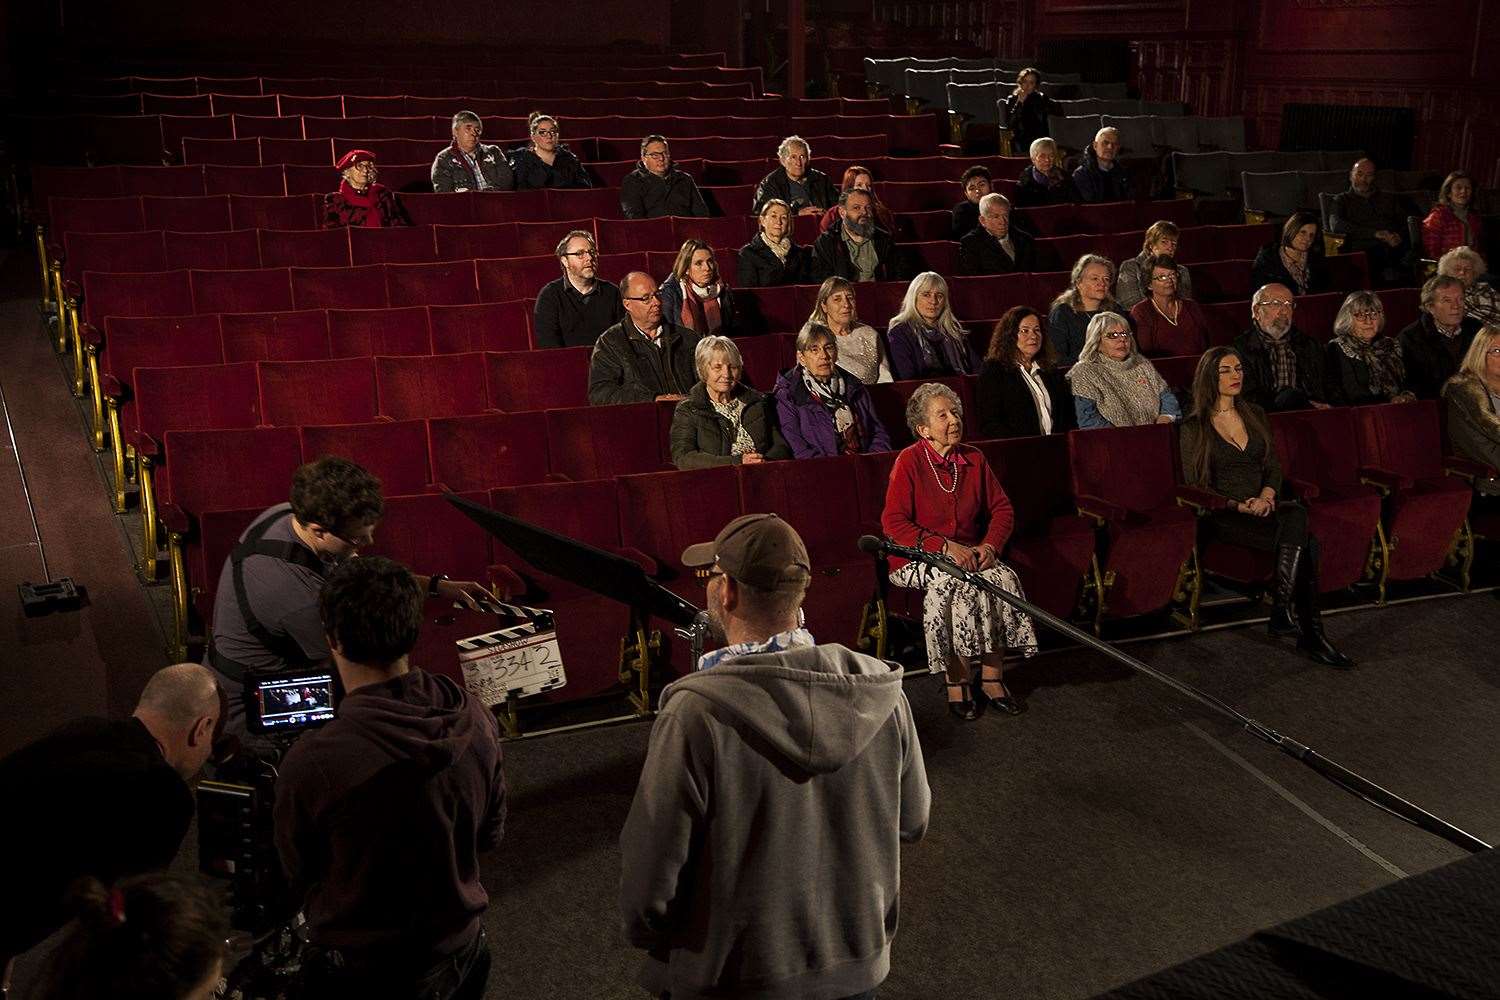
x: 1283, y: 365
x: 574, y: 309
x: 761, y: 856
x: 855, y: 249
x: 266, y: 618
x: 1371, y: 220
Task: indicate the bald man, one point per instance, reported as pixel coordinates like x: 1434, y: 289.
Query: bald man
x: 645, y: 356
x: 1371, y: 220
x: 101, y: 797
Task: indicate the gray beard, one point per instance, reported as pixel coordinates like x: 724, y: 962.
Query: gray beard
x: 861, y: 229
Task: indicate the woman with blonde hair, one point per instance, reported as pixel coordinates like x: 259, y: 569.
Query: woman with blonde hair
x: 925, y: 338
x: 1113, y: 383
x: 693, y: 296
x: 1133, y: 283
x: 1086, y: 296
x: 771, y: 257
x: 1473, y: 396
x: 862, y: 351
x: 1481, y: 301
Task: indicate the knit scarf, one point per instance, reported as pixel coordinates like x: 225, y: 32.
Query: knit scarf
x: 941, y: 350
x: 780, y: 247
x: 1382, y: 356
x: 369, y: 201
x: 1298, y: 269
x: 831, y: 394
x: 1127, y: 393
x: 700, y: 307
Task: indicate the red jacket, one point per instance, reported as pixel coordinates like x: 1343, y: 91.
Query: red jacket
x: 922, y: 514
x: 1442, y: 231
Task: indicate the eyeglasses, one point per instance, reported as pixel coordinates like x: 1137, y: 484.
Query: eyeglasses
x: 1366, y: 314
x: 1164, y: 278
x: 1493, y: 352
x: 1117, y: 335
x: 824, y: 349
x: 659, y: 155
x: 643, y: 298
x: 546, y: 133
x: 708, y: 577
x: 1276, y: 304
x: 580, y: 253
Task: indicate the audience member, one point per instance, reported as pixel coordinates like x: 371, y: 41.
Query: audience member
x: 1473, y: 395
x: 1133, y: 283
x: 266, y: 608
x: 1295, y: 260
x: 656, y: 187
x: 857, y: 249
x: 1100, y: 177
x: 1027, y: 108
x: 862, y: 350
x: 1086, y: 296
x: 806, y: 190
x: 360, y: 203
x: 723, y: 421
x: 1113, y: 384
x: 101, y: 798
x: 642, y: 357
x: 994, y: 246
x: 1283, y: 366
x: 977, y: 183
x: 1363, y: 363
x: 694, y: 296
x: 1228, y: 448
x: 1166, y: 324
x: 571, y: 311
x: 1433, y: 346
x: 1452, y: 222
x: 857, y: 178
x: 925, y: 338
x: 771, y: 258
x: 545, y: 161
x: 151, y: 937
x: 468, y: 164
x: 944, y: 497
x: 1045, y: 182
x: 823, y: 409
x: 1372, y: 221
x: 381, y: 815
x: 1020, y: 391
x: 771, y: 725
x: 1481, y: 300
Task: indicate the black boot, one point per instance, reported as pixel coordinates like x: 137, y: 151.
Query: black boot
x: 1313, y: 642
x: 1284, y: 589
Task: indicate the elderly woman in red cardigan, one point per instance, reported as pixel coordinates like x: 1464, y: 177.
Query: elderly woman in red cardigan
x: 360, y: 202
x: 943, y: 497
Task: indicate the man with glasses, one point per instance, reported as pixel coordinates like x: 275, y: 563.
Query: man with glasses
x: 656, y: 187
x: 1283, y: 365
x: 643, y: 357
x: 266, y: 609
x: 468, y: 164
x: 574, y: 309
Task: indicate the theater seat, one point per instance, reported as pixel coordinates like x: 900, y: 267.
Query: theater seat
x: 365, y: 333
x: 293, y: 393
x: 394, y: 451
x: 305, y: 247
x: 514, y: 278
x: 601, y: 442
x: 448, y: 283
x: 296, y: 335
x: 487, y: 326
x: 339, y: 287
x: 435, y: 385
x: 488, y: 451
x: 538, y: 380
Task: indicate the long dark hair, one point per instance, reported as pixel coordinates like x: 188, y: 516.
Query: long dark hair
x: 1003, y: 340
x: 1198, y: 465
x: 1294, y: 224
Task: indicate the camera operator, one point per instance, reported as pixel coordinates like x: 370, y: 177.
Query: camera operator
x: 266, y: 609
x: 381, y: 814
x: 100, y: 798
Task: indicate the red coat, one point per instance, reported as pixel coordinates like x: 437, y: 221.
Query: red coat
x: 1157, y: 338
x: 921, y: 514
x: 1442, y: 231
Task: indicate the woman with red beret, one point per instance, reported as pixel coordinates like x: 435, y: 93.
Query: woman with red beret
x: 359, y: 201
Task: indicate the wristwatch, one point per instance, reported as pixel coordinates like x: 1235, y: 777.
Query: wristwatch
x: 432, y: 583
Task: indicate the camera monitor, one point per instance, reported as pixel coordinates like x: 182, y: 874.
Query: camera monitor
x: 288, y: 702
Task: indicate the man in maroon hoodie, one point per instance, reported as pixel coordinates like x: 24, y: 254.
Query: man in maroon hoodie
x: 381, y: 814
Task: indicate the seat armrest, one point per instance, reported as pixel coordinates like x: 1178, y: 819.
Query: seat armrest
x: 144, y: 443
x: 91, y: 334
x: 175, y: 519
x: 640, y: 558
x: 111, y: 388
x: 1467, y: 468
x: 72, y: 289
x: 1099, y: 509
x: 1201, y: 500
x: 1383, y: 479
x: 1305, y: 489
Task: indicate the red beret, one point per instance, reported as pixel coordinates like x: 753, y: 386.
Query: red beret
x: 354, y: 156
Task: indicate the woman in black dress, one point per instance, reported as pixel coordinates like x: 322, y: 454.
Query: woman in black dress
x: 1228, y: 448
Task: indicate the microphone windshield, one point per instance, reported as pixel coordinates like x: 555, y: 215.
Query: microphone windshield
x: 871, y: 544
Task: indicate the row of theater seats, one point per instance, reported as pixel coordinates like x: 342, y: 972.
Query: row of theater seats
x: 1104, y: 530
x: 1151, y: 135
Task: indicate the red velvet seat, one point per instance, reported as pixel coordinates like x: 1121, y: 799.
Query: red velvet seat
x: 986, y: 297
x: 1221, y: 281
x: 298, y: 335
x: 918, y: 227
x: 226, y: 151
x: 206, y: 214
x: 890, y: 398
x: 1226, y: 320
x: 600, y: 442
x: 251, y: 290
x: 339, y: 287
x: 305, y: 247
x: 267, y: 127
x: 157, y: 342
x: 726, y: 234
x: 446, y: 283
x: 722, y: 172
x: 512, y: 206
x: 574, y: 203
x: 472, y: 242
x: 514, y: 278
x: 1178, y: 371
x: 453, y: 209
x: 312, y: 152
x: 620, y: 235
x: 404, y: 245
x: 934, y: 255
x: 488, y: 326
x: 234, y: 249
x: 1401, y: 448
x: 394, y: 451
x: 1315, y: 314
x: 919, y: 196
x: 268, y: 181
x: 537, y: 239
x: 771, y: 310
x: 254, y: 103
x: 365, y: 333
x: 1125, y: 478
x: 489, y: 450
x: 157, y: 293
x: 176, y: 104
x: 331, y: 105
x: 93, y: 215
x: 765, y: 357
x: 114, y: 253
x: 732, y: 200
x: 433, y: 385
x: 175, y: 182
x: 1403, y: 306
x: 291, y: 212
x: 1224, y: 242
x: 538, y: 380
x: 293, y: 393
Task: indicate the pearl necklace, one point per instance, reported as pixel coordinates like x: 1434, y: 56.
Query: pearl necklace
x: 933, y: 466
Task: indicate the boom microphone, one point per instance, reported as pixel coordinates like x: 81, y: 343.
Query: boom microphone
x: 873, y: 544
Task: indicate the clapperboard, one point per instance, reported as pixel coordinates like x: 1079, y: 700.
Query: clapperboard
x: 522, y: 658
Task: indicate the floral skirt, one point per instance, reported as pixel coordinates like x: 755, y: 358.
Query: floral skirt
x: 962, y: 620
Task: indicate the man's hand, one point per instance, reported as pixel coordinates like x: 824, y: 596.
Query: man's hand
x: 752, y: 458
x: 1387, y: 237
x: 1320, y: 406
x: 809, y: 210
x: 670, y: 397
x: 466, y: 592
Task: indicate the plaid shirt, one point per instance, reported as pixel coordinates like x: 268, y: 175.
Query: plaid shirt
x: 1283, y: 361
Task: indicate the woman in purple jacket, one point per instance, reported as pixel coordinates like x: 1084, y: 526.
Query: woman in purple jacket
x: 823, y: 409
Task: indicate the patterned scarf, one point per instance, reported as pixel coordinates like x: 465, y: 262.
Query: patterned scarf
x: 1127, y: 393
x: 734, y: 412
x: 369, y: 201
x: 1296, y: 268
x: 1283, y: 361
x: 700, y: 307
x: 780, y: 247
x: 831, y: 395
x: 1382, y: 356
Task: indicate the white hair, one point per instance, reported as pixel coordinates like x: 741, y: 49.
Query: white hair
x: 789, y: 142
x: 993, y: 198
x: 1098, y: 326
x: 947, y: 323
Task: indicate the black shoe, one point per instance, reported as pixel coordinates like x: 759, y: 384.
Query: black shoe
x: 964, y: 710
x: 1317, y: 647
x: 1007, y: 702
x: 1283, y: 621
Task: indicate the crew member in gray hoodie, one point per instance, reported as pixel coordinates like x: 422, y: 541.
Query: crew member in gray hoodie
x: 761, y: 857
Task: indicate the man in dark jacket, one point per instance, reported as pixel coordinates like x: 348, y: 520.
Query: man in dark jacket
x: 574, y: 309
x: 995, y: 247
x: 382, y: 814
x: 807, y: 191
x: 762, y: 854
x: 643, y: 357
x: 1100, y: 177
x: 1433, y: 346
x: 656, y: 187
x: 468, y: 164
x: 855, y: 249
x: 1283, y: 365
x: 1372, y: 221
x: 104, y: 798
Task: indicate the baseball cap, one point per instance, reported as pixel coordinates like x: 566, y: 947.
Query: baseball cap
x: 761, y: 550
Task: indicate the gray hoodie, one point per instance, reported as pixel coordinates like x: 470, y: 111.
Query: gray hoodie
x: 761, y: 857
